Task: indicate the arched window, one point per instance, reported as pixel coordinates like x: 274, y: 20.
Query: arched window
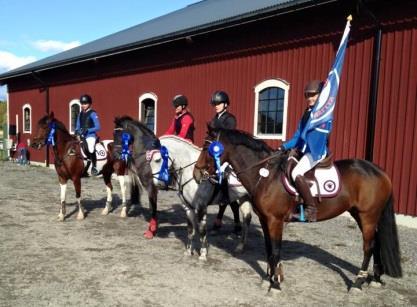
x: 271, y: 100
x: 27, y: 118
x: 74, y: 110
x: 147, y: 110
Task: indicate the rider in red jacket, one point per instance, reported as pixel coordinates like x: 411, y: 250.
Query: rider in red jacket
x: 183, y: 123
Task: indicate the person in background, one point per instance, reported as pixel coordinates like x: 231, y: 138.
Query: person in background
x: 22, y: 151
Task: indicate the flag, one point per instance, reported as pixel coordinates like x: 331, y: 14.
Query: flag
x: 322, y: 111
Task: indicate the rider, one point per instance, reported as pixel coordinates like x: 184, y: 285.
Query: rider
x: 226, y: 120
x: 313, y: 148
x: 183, y: 123
x: 222, y: 118
x: 87, y: 127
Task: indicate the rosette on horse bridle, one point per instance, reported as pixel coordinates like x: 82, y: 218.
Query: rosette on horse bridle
x: 216, y: 149
x: 50, y: 139
x: 126, y: 153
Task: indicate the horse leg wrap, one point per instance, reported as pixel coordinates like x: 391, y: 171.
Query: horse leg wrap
x: 152, y: 228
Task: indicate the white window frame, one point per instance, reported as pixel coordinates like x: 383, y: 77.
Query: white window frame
x: 152, y: 96
x: 260, y: 87
x: 72, y: 102
x: 27, y: 106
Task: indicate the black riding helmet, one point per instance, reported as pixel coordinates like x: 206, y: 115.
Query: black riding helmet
x: 219, y: 97
x: 313, y: 87
x: 179, y: 100
x: 86, y: 99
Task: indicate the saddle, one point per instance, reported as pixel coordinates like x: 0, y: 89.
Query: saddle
x: 323, y: 179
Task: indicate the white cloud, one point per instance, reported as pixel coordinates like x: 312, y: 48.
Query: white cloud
x: 10, y: 61
x: 54, y: 46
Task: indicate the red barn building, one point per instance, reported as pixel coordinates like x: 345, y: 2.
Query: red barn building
x: 262, y: 53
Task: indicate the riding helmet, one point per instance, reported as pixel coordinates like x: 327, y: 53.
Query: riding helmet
x: 86, y: 99
x: 314, y: 87
x: 219, y: 97
x: 179, y: 100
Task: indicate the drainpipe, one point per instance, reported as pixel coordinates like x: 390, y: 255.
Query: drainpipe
x: 373, y: 98
x: 44, y: 88
x: 373, y: 93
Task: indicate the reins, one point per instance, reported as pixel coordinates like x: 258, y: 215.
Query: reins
x: 274, y: 155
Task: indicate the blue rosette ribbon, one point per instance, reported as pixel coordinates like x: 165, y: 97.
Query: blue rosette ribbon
x: 126, y: 154
x: 50, y: 139
x: 163, y: 172
x: 215, y: 150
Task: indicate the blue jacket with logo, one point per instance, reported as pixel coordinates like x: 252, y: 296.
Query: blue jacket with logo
x: 87, y: 123
x: 315, y: 141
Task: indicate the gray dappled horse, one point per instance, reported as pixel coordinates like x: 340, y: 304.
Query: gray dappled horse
x: 182, y: 156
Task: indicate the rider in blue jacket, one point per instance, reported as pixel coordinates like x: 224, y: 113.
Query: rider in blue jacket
x: 87, y: 127
x: 313, y: 148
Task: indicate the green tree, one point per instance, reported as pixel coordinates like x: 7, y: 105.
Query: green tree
x: 3, y: 113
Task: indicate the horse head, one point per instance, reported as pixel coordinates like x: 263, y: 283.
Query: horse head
x: 236, y: 147
x: 43, y: 129
x: 214, y: 150
x: 133, y: 138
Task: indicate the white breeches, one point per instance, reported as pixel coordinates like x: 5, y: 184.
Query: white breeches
x: 305, y: 164
x: 91, y: 143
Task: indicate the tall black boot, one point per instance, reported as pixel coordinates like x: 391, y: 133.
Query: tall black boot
x: 309, y: 201
x: 94, y: 171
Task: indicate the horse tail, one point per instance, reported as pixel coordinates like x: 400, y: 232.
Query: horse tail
x: 388, y: 238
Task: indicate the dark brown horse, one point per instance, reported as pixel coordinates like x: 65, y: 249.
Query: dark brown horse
x: 70, y: 163
x: 366, y: 193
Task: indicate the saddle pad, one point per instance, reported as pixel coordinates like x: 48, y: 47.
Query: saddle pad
x: 101, y: 151
x: 327, y: 178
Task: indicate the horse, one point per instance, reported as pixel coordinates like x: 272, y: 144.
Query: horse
x: 180, y: 161
x: 71, y: 164
x: 366, y: 193
x: 143, y: 140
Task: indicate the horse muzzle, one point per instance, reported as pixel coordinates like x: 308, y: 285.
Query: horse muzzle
x: 37, y: 144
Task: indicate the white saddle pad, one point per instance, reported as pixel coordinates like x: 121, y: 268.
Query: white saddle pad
x: 328, y: 183
x: 101, y: 152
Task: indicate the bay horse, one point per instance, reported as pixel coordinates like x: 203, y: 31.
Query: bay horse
x: 182, y: 155
x: 366, y: 193
x: 143, y: 141
x: 70, y: 163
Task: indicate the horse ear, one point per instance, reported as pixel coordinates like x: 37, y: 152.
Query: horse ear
x: 52, y: 115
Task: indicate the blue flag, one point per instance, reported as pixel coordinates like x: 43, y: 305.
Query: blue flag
x: 323, y: 109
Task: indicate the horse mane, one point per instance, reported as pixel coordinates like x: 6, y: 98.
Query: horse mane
x: 120, y: 121
x: 239, y: 137
x: 180, y: 140
x: 58, y: 123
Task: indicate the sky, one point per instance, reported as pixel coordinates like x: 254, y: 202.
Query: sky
x: 31, y: 30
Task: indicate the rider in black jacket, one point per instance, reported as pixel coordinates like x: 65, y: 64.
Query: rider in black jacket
x: 222, y: 119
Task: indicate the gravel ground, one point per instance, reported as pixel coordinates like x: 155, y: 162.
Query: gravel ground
x: 106, y: 261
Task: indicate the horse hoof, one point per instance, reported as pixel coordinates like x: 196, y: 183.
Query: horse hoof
x: 202, y: 258
x: 105, y: 211
x: 375, y: 284
x: 61, y: 218
x: 123, y: 213
x: 80, y: 217
x: 188, y: 252
x: 355, y: 290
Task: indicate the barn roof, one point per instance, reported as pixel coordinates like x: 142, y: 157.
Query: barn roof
x: 200, y: 17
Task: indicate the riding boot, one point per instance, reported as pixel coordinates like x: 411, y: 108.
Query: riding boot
x: 94, y: 171
x: 309, y: 201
